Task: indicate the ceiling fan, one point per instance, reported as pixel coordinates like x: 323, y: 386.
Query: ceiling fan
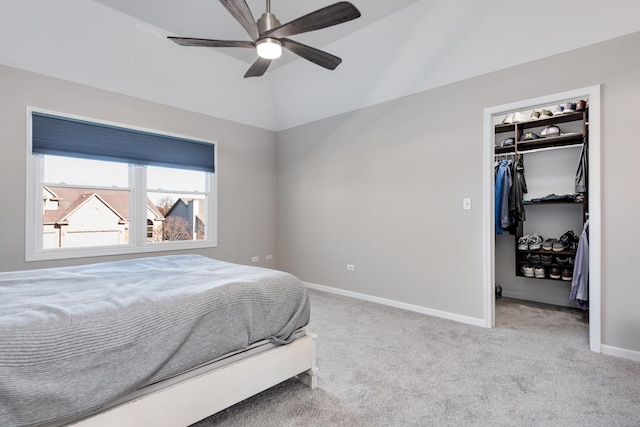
x: 268, y: 36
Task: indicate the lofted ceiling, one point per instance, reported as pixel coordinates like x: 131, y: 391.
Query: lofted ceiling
x: 396, y: 48
x: 209, y: 19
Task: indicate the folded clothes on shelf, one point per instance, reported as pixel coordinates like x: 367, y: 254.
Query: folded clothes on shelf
x: 553, y: 198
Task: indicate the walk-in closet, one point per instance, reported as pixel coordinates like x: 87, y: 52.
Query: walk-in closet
x: 541, y: 169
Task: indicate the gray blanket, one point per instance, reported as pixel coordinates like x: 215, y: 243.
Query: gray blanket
x: 74, y: 339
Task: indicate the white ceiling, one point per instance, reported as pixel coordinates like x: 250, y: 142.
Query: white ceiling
x: 209, y: 19
x: 397, y: 48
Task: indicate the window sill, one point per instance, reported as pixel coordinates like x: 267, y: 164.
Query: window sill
x: 86, y: 252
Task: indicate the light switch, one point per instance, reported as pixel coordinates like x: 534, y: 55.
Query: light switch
x: 466, y: 203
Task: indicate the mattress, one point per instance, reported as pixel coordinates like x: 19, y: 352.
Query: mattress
x: 75, y: 339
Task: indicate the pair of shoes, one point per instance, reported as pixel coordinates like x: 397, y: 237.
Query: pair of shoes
x: 548, y: 244
x: 519, y: 117
x: 539, y: 272
x: 562, y: 260
x: 564, y: 242
x: 527, y: 270
x: 569, y: 107
x: 555, y: 273
x: 535, y: 115
x: 516, y: 117
x: 544, y: 113
x: 567, y: 274
x: 531, y: 242
x: 546, y: 259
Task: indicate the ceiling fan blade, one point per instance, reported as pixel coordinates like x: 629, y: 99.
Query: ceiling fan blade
x: 258, y: 68
x: 188, y: 41
x: 312, y: 54
x: 240, y: 10
x: 328, y: 16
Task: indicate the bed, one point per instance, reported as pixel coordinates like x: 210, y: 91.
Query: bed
x: 163, y: 341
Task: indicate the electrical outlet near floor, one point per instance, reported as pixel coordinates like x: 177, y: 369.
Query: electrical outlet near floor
x: 351, y: 267
x: 255, y: 259
x: 269, y: 257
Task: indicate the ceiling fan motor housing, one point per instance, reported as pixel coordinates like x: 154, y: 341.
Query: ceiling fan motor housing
x: 267, y: 22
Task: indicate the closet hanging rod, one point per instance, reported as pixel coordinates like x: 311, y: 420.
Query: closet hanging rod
x: 537, y: 150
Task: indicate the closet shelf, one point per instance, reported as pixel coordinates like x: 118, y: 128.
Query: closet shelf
x: 551, y: 142
x: 543, y: 252
x: 554, y: 202
x: 553, y: 120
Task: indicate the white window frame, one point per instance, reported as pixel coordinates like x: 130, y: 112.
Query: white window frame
x: 138, y: 206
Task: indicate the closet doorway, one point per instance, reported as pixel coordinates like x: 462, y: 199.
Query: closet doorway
x: 493, y: 116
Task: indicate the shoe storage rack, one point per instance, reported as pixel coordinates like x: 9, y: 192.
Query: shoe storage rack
x: 518, y: 147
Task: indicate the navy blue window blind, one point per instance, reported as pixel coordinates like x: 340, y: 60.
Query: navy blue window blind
x: 63, y: 136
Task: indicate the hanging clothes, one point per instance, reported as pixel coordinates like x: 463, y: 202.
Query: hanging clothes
x: 518, y: 190
x: 582, y: 177
x: 499, y: 193
x: 580, y: 281
x: 505, y: 220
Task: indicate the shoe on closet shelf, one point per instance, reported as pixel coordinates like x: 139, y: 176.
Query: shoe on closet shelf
x: 564, y: 242
x: 567, y: 274
x: 519, y: 117
x: 546, y: 259
x: 523, y: 243
x: 527, y: 270
x: 544, y: 113
x: 559, y: 110
x: 535, y: 242
x: 562, y: 260
x: 569, y: 107
x: 555, y: 273
x: 533, y: 258
x: 539, y: 272
x: 548, y: 244
x: 581, y: 105
x: 508, y: 119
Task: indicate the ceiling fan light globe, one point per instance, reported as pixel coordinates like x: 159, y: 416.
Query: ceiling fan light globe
x: 269, y: 48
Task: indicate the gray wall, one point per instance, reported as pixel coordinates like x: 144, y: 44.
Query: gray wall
x: 246, y: 163
x: 382, y: 188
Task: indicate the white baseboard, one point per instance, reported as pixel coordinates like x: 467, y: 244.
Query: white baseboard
x: 419, y: 309
x: 620, y: 352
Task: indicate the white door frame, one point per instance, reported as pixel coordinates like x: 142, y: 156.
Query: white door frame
x: 594, y: 199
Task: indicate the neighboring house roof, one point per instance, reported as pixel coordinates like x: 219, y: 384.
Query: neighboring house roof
x: 71, y: 198
x: 200, y: 214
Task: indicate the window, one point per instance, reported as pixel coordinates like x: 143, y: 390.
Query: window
x: 96, y: 188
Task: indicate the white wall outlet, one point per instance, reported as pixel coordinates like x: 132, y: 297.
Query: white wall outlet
x: 255, y: 259
x: 351, y: 267
x: 269, y: 257
x: 466, y: 203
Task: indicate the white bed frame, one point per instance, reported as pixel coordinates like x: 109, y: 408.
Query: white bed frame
x: 209, y: 389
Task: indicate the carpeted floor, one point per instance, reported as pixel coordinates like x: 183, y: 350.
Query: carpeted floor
x: 383, y: 366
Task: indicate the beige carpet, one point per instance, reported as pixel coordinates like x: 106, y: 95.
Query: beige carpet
x: 382, y: 366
